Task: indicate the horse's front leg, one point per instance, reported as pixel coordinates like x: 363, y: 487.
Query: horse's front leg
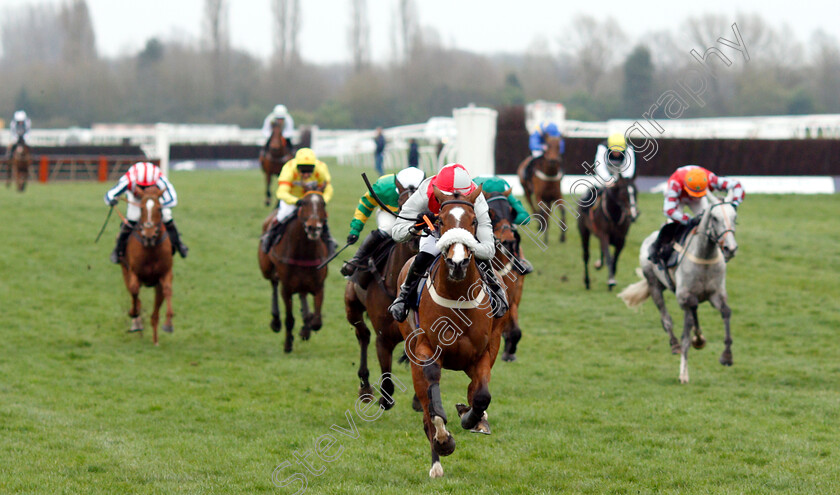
x: 606, y: 259
x: 426, y: 381
x: 474, y: 417
x: 167, y: 296
x: 306, y: 328
x: 718, y: 300
x: 384, y: 353
x: 317, y: 323
x: 290, y: 320
x: 656, y: 293
x: 132, y: 283
x: 354, y: 311
x: 267, y: 185
x: 584, y: 240
x: 275, y: 309
x: 619, y: 245
x: 688, y: 303
x: 562, y: 220
x: 697, y: 341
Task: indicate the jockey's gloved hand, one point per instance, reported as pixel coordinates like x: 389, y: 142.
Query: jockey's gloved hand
x: 352, y: 238
x: 694, y: 222
x: 114, y: 202
x: 299, y: 202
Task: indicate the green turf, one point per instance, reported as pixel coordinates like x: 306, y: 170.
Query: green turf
x: 593, y: 405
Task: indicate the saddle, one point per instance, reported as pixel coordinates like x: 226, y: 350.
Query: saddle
x: 374, y: 266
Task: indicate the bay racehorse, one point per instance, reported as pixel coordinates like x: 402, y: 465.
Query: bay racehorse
x: 505, y: 264
x: 453, y: 327
x: 700, y: 275
x: 148, y: 261
x: 274, y: 158
x: 380, y: 292
x: 542, y: 183
x: 608, y: 219
x: 293, y: 265
x: 19, y: 164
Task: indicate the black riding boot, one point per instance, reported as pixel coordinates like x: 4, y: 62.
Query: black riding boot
x: 359, y: 259
x: 122, y: 239
x: 175, y: 239
x: 523, y: 266
x: 399, y: 308
x: 328, y: 238
x: 272, y: 235
x: 529, y: 169
x: 495, y: 287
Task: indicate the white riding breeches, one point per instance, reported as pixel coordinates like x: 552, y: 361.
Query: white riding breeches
x: 285, y: 210
x: 385, y: 221
x: 134, y: 211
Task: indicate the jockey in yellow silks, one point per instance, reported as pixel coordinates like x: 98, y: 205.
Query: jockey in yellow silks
x: 303, y: 172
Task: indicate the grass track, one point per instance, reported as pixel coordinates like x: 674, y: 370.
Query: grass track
x: 592, y: 406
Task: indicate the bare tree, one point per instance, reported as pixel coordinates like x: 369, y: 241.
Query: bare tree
x: 79, y: 43
x: 216, y: 25
x: 287, y: 19
x: 595, y: 46
x: 359, y: 34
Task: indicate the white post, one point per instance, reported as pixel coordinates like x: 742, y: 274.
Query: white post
x: 476, y: 139
x: 162, y: 146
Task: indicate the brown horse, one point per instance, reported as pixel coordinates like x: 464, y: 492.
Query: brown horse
x: 542, y: 188
x: 148, y: 261
x: 380, y: 293
x: 19, y: 164
x: 272, y: 161
x: 293, y: 263
x: 608, y: 218
x: 453, y: 329
x: 504, y: 263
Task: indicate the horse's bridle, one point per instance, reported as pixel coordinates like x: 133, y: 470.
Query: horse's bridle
x: 457, y: 202
x: 313, y: 215
x: 509, y: 226
x: 711, y: 234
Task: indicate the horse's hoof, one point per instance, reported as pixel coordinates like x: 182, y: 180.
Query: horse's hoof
x: 366, y: 393
x: 436, y: 471
x: 416, y: 405
x: 698, y: 342
x: 726, y: 358
x: 683, y: 380
x: 386, y: 404
x: 445, y: 448
x: 167, y: 328
x: 483, y: 426
x: 304, y: 333
x: 135, y: 330
x: 598, y: 265
x: 676, y: 348
x: 275, y: 326
x: 506, y: 356
x: 610, y: 285
x: 287, y: 347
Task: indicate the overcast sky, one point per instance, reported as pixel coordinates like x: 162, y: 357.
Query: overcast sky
x: 485, y: 26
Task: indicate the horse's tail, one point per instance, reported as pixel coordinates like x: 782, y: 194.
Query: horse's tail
x: 403, y: 359
x: 634, y: 295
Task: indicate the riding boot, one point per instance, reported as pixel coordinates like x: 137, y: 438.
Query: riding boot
x: 122, y: 239
x: 328, y: 238
x: 370, y: 243
x: 495, y: 287
x: 529, y: 169
x: 272, y: 235
x: 399, y: 308
x: 175, y: 239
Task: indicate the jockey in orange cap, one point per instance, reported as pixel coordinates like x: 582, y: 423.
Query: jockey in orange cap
x: 138, y: 177
x: 688, y: 187
x: 451, y: 179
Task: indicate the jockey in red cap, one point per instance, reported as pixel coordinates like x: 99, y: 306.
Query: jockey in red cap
x: 138, y: 177
x: 452, y: 178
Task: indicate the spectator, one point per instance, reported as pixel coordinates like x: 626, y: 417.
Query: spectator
x: 379, y: 152
x: 413, y: 153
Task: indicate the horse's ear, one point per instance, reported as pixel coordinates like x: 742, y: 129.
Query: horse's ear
x: 439, y: 196
x: 507, y: 192
x: 400, y: 187
x: 471, y: 196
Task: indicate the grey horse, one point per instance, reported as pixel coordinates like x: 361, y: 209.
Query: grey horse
x: 699, y: 275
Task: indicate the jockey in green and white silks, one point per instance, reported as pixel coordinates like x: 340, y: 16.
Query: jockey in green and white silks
x: 386, y: 190
x: 521, y: 216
